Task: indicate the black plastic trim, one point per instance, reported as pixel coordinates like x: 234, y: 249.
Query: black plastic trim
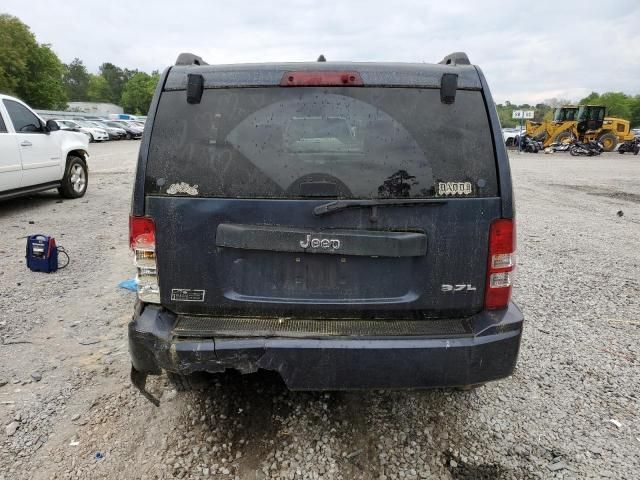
x: 195, y: 87
x: 336, y: 363
x: 502, y: 157
x: 20, y: 192
x: 448, y: 88
x: 138, y: 196
x: 418, y: 75
x: 370, y: 243
x: 203, y: 327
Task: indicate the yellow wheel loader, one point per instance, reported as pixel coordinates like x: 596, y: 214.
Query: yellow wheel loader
x: 557, y: 130
x: 586, y: 122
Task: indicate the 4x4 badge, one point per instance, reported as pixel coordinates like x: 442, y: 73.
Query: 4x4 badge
x: 454, y: 188
x: 327, y: 243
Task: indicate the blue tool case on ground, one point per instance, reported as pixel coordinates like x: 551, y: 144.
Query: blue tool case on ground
x: 42, y: 253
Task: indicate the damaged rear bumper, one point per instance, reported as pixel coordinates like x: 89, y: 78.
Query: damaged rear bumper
x: 487, y: 350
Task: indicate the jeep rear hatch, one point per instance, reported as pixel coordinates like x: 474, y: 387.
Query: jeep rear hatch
x: 322, y: 200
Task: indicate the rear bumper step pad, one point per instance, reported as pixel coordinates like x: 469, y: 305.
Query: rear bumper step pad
x: 193, y: 326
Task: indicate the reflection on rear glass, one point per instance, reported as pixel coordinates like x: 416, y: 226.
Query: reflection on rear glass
x: 337, y: 139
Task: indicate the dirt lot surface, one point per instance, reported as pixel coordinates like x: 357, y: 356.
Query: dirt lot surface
x: 572, y: 409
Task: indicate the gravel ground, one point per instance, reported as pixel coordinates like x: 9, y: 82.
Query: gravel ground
x: 570, y: 411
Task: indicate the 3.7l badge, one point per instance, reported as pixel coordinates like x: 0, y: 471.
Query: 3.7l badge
x: 460, y: 287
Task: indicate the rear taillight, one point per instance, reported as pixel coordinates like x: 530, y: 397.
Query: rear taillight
x: 142, y: 240
x: 502, y: 247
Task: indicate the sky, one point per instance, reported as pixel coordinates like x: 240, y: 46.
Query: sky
x: 529, y: 51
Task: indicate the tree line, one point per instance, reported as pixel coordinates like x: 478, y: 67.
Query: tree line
x: 33, y: 72
x: 618, y: 105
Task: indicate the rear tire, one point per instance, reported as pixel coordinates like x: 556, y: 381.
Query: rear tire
x: 562, y: 137
x: 76, y: 178
x: 187, y: 383
x: 608, y: 141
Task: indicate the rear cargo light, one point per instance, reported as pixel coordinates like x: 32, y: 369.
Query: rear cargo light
x: 142, y: 240
x: 321, y: 79
x: 501, y: 264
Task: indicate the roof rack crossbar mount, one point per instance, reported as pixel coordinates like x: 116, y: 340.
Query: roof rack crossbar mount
x: 190, y: 59
x: 455, y: 58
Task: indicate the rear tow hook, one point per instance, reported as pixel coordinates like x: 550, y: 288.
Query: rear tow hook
x: 139, y: 380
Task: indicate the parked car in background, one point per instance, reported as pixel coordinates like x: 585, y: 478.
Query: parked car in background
x: 36, y: 155
x: 131, y: 131
x: 115, y: 133
x: 97, y: 134
x: 510, y: 134
x: 73, y: 126
x: 94, y: 133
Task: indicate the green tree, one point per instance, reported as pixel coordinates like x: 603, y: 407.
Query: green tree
x: 592, y: 99
x: 16, y: 44
x: 76, y: 80
x: 117, y: 78
x: 99, y: 90
x: 138, y: 92
x: 504, y: 114
x: 542, y: 111
x: 29, y: 70
x: 43, y: 88
x: 618, y: 104
x: 127, y: 74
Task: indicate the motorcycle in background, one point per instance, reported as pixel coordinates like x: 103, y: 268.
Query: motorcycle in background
x: 563, y: 146
x: 587, y: 149
x: 527, y: 144
x: 630, y: 146
x: 558, y: 147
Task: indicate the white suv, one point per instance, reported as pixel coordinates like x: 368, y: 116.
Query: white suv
x: 36, y: 155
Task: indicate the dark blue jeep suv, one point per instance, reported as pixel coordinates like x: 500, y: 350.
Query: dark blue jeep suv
x: 347, y: 225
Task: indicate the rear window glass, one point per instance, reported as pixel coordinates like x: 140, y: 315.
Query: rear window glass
x: 324, y: 142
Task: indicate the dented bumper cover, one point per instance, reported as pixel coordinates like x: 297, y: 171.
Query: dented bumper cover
x: 488, y: 351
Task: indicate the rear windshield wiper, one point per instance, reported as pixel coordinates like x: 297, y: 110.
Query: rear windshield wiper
x: 338, y: 205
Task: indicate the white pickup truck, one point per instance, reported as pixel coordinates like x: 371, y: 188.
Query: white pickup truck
x: 36, y: 155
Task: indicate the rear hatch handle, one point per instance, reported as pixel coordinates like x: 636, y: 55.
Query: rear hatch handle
x: 338, y: 205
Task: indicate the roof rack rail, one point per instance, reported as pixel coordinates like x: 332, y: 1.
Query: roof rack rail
x: 455, y: 58
x: 190, y: 59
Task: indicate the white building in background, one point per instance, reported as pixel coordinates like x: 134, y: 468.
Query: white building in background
x: 93, y: 108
